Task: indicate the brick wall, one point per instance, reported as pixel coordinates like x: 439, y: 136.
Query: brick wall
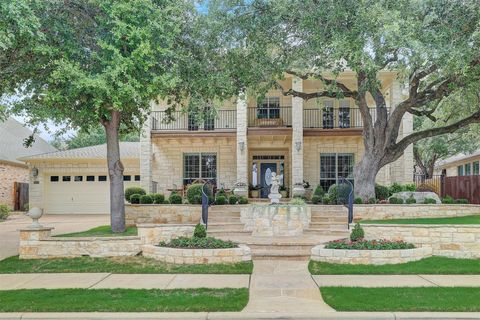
x: 9, y: 174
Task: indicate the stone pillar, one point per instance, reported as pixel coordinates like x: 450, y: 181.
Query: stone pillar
x: 297, y: 140
x: 30, y: 238
x: 146, y: 155
x: 241, y: 187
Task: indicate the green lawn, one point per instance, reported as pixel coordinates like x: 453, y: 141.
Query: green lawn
x: 402, y: 299
x: 122, y: 300
x: 431, y: 265
x: 116, y: 265
x: 102, y: 231
x: 475, y: 219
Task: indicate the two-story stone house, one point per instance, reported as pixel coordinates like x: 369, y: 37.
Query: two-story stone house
x: 316, y: 141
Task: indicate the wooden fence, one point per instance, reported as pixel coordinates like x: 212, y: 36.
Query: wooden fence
x: 463, y: 187
x: 20, y: 190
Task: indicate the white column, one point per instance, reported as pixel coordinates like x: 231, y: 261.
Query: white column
x: 297, y: 140
x: 146, y: 156
x: 241, y: 187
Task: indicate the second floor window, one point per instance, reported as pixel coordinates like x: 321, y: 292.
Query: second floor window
x: 476, y: 168
x: 344, y: 114
x: 460, y: 171
x: 269, y: 108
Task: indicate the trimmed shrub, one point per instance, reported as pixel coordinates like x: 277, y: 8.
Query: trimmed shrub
x: 297, y: 201
x: 194, y: 193
x: 221, y: 200
x: 394, y: 200
x: 326, y: 199
x: 394, y: 188
x: 199, y: 243
x: 316, y: 199
x: 381, y: 192
x: 158, y: 198
x: 429, y: 201
x: 357, y: 233
x: 319, y: 192
x: 372, y: 201
x: 410, y: 187
x: 166, y: 201
x: 369, y: 245
x: 133, y: 190
x: 232, y: 199
x: 175, y: 198
x: 135, y: 198
x: 358, y: 200
x: 221, y: 192
x: 200, y: 231
x: 333, y: 192
x: 410, y: 200
x: 146, y: 199
x: 448, y: 200
x: 4, y: 212
x: 461, y: 201
x: 242, y: 200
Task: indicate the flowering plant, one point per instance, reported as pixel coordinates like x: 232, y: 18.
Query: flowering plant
x: 362, y: 244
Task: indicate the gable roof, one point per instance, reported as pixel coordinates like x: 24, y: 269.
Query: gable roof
x: 128, y: 150
x: 458, y: 157
x: 12, y: 137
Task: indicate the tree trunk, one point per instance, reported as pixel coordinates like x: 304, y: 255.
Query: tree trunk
x: 364, y: 174
x: 115, y: 173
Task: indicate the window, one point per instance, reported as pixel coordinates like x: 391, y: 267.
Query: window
x: 460, y: 171
x: 78, y: 178
x: 127, y: 178
x: 102, y: 178
x: 66, y: 178
x: 54, y: 178
x: 137, y: 177
x: 468, y: 169
x: 208, y: 119
x: 476, y: 168
x: 328, y: 116
x: 344, y: 114
x: 90, y: 178
x: 334, y: 166
x: 199, y: 166
x: 269, y: 108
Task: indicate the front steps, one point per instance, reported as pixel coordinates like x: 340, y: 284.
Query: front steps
x: 328, y: 223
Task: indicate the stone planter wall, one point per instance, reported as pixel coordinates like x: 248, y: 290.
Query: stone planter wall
x: 38, y: 244
x: 154, y: 233
x: 162, y: 213
x: 343, y: 256
x: 197, y: 256
x: 458, y: 241
x: 400, y: 211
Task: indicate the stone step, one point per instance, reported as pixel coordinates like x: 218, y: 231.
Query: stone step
x: 340, y: 233
x: 226, y: 227
x: 332, y: 219
x: 280, y: 247
x: 223, y: 233
x: 214, y: 214
x: 300, y: 255
x: 219, y: 219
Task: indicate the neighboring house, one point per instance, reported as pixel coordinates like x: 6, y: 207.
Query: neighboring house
x: 460, y: 165
x: 76, y: 180
x: 12, y: 170
x: 316, y: 141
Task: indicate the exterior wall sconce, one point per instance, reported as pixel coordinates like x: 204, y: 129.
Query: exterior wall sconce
x: 35, y: 172
x: 241, y: 145
x: 298, y: 146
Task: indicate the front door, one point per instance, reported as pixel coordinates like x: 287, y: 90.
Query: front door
x: 266, y: 170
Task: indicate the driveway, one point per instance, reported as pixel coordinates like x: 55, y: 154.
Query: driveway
x: 62, y: 223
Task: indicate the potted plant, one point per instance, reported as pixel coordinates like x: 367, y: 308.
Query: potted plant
x: 283, y: 191
x: 308, y: 189
x: 254, y: 191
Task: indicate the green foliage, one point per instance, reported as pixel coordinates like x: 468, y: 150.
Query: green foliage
x: 316, y: 199
x: 381, y: 192
x: 361, y: 244
x: 146, y: 199
x: 410, y: 187
x: 410, y: 200
x: 372, y: 201
x: 358, y: 200
x: 221, y: 192
x: 158, y: 198
x: 194, y: 193
x: 319, y: 191
x: 242, y: 200
x: 92, y: 137
x: 333, y: 193
x: 395, y: 200
x: 135, y: 198
x: 221, y: 200
x: 133, y: 190
x: 429, y: 201
x: 232, y: 199
x: 297, y: 201
x: 199, y: 243
x: 4, y: 212
x: 327, y: 199
x: 200, y: 231
x: 448, y: 200
x: 166, y: 201
x: 357, y: 233
x: 461, y: 201
x: 175, y: 198
x: 394, y: 188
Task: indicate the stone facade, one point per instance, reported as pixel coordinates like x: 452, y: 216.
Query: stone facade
x: 162, y: 213
x: 457, y: 241
x: 403, y: 211
x: 9, y: 174
x: 197, y: 256
x: 154, y: 233
x: 38, y: 244
x: 377, y: 257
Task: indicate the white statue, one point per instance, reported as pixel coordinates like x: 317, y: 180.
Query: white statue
x: 274, y: 194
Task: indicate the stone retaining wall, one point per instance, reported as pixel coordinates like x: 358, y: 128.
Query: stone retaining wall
x: 38, y: 244
x: 162, y: 213
x: 458, y: 241
x: 400, y: 211
x: 197, y: 256
x: 343, y: 256
x: 154, y: 233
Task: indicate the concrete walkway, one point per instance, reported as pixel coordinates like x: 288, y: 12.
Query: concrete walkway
x: 279, y: 286
x: 421, y: 280
x: 128, y: 281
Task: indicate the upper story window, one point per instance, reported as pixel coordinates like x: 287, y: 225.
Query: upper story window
x: 468, y: 169
x: 460, y: 171
x: 269, y: 108
x: 476, y: 168
x: 328, y: 115
x: 344, y: 114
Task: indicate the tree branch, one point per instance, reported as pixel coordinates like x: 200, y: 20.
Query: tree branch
x: 312, y: 95
x: 329, y: 82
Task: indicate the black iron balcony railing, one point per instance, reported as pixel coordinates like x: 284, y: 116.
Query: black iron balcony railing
x: 181, y: 121
x: 270, y: 117
x: 334, y: 118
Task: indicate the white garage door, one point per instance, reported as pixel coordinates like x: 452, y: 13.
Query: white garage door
x: 80, y: 194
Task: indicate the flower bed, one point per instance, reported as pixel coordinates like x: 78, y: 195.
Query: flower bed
x: 198, y: 243
x: 363, y: 244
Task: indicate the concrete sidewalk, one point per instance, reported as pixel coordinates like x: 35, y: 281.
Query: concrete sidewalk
x: 421, y: 280
x: 128, y: 281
